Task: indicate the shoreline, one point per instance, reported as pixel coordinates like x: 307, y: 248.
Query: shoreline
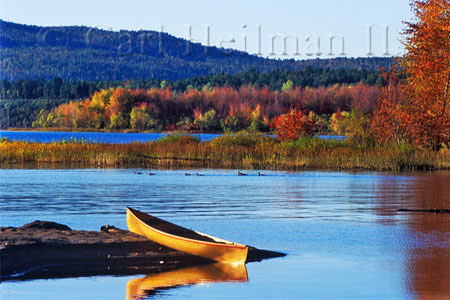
x: 81, y: 130
x: 182, y: 167
x: 94, y: 130
x: 129, y: 130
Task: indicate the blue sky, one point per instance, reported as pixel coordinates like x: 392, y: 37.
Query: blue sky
x: 317, y: 20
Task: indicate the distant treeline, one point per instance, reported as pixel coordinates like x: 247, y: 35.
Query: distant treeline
x: 22, y: 100
x: 312, y: 77
x: 212, y: 109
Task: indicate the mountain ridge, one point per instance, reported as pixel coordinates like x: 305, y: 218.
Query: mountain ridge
x: 91, y: 54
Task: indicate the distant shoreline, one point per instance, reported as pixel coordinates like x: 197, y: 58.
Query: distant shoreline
x: 61, y: 129
x: 93, y: 130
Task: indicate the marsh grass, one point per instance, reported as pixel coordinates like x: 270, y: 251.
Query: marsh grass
x: 178, y: 138
x: 229, y: 151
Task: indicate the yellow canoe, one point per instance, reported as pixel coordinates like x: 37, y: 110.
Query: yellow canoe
x: 185, y: 240
x: 141, y: 288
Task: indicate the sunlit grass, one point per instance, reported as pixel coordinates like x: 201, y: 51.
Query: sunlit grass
x: 229, y: 151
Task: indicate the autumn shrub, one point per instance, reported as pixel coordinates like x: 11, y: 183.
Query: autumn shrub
x: 355, y: 125
x: 337, y: 122
x: 294, y: 124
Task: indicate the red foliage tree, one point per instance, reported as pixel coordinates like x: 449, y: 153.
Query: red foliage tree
x: 391, y: 121
x: 293, y: 124
x: 427, y: 62
x: 421, y: 112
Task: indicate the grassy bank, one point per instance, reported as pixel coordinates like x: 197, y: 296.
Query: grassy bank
x: 241, y: 151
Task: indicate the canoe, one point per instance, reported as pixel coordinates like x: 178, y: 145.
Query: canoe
x: 141, y: 288
x: 185, y: 240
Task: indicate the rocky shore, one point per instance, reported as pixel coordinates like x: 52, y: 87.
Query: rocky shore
x: 50, y: 250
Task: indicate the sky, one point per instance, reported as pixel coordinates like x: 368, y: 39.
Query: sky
x: 367, y: 27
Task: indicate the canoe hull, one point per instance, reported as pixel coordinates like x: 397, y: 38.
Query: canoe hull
x: 222, y: 251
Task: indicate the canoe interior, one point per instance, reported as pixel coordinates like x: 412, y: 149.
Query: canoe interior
x: 171, y: 228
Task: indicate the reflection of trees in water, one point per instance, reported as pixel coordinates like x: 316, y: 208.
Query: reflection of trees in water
x: 429, y: 265
x: 428, y: 260
x: 393, y: 193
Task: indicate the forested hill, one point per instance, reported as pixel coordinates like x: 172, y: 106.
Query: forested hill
x: 83, y: 53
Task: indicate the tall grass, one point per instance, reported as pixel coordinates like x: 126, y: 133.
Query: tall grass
x: 229, y: 151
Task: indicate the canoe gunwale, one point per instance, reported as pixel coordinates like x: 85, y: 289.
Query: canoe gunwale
x: 225, y: 243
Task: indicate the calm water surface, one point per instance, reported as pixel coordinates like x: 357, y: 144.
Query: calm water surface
x: 93, y: 137
x: 105, y: 137
x: 342, y: 232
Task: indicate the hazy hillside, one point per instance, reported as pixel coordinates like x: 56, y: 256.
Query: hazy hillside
x: 83, y: 53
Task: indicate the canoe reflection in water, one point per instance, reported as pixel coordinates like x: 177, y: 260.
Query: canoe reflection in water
x: 141, y: 288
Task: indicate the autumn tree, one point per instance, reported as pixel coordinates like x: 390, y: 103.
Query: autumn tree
x: 140, y: 118
x: 257, y: 122
x: 287, y: 86
x: 355, y: 125
x: 41, y: 120
x: 392, y: 121
x: 208, y: 121
x: 294, y: 124
x: 424, y: 111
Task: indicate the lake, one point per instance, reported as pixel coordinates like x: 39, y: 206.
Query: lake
x: 92, y: 137
x: 104, y: 137
x: 342, y: 232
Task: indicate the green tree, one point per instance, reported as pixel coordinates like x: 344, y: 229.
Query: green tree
x: 165, y: 84
x: 355, y: 125
x: 287, y: 86
x: 208, y: 121
x: 140, y: 119
x: 41, y: 120
x: 118, y: 121
x: 232, y: 124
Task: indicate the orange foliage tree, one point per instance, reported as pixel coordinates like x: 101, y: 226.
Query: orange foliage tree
x: 423, y: 111
x: 392, y: 121
x: 294, y: 124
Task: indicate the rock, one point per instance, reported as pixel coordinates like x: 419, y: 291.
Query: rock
x: 109, y: 228
x: 33, y: 252
x: 45, y: 225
